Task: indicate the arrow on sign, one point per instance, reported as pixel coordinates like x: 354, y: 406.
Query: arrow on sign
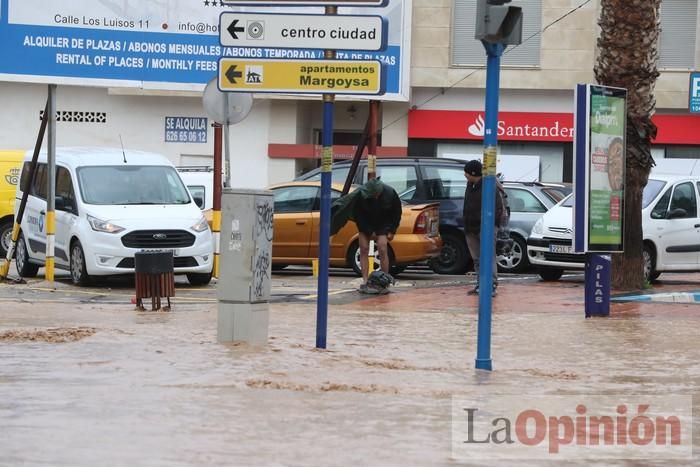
x: 232, y: 74
x: 234, y: 28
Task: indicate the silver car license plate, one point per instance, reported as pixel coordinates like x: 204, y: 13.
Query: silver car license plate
x: 566, y: 249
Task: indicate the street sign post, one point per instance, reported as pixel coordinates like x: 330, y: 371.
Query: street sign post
x: 308, y: 2
x: 301, y: 77
x: 694, y: 95
x: 302, y: 31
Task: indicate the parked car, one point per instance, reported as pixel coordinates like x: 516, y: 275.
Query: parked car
x: 441, y: 180
x: 670, y: 229
x: 111, y: 204
x: 296, y: 231
x: 10, y: 165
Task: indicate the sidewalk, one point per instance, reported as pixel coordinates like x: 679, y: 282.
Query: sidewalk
x: 157, y: 389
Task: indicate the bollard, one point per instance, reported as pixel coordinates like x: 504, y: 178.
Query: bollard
x: 314, y: 267
x: 370, y: 257
x: 154, y: 278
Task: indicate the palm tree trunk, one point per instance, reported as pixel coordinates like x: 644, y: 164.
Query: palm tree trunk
x: 627, y: 57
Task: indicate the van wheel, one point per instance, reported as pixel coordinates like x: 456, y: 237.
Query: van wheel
x: 78, y: 270
x: 354, y: 258
x: 199, y: 279
x: 550, y: 274
x: 648, y: 260
x: 5, y: 237
x: 24, y: 267
x: 453, y: 255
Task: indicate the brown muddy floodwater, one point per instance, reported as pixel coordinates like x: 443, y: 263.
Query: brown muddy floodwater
x: 86, y: 385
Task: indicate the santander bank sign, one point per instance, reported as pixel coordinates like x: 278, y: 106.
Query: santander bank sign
x: 515, y: 126
x: 534, y: 126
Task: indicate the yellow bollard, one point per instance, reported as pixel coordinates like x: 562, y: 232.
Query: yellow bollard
x: 314, y: 267
x: 370, y: 257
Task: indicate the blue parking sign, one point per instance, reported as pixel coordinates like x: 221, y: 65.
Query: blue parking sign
x: 694, y: 95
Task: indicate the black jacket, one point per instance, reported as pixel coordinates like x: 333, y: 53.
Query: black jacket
x: 472, y: 207
x: 380, y: 215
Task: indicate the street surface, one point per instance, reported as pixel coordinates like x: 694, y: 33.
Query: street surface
x: 87, y: 380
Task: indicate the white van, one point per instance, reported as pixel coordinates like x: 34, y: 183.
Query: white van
x: 670, y: 230
x: 111, y: 204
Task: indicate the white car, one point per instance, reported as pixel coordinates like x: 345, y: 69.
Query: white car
x: 111, y: 204
x: 670, y: 228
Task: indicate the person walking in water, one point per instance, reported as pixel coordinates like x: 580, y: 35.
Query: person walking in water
x: 472, y: 219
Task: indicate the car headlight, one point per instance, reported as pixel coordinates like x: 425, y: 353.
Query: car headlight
x: 103, y: 226
x: 201, y: 225
x: 538, y: 228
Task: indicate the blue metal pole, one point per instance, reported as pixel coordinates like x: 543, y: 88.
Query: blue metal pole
x: 488, y: 206
x: 325, y: 229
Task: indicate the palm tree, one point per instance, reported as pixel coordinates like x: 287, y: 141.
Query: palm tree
x: 627, y: 58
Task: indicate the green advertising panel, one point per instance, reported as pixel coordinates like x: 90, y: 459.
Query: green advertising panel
x: 606, y: 168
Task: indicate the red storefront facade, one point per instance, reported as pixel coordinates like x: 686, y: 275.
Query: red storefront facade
x: 546, y: 134
x: 535, y: 126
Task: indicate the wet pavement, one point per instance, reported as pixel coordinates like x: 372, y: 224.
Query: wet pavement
x: 102, y: 383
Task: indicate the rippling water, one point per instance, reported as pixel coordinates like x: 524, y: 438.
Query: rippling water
x: 156, y: 389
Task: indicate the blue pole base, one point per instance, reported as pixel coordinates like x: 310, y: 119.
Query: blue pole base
x: 484, y: 364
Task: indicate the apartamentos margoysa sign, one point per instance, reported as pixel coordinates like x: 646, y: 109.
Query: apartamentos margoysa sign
x: 310, y: 77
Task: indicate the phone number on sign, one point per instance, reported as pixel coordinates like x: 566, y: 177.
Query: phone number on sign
x: 183, y: 136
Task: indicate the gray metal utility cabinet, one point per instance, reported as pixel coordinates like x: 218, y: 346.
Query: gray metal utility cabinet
x: 243, y: 288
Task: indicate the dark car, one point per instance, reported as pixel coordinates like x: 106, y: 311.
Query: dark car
x: 429, y: 179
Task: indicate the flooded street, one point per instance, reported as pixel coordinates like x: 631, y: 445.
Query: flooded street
x: 153, y: 388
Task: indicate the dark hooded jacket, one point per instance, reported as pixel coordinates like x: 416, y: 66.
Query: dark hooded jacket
x: 380, y: 215
x: 472, y: 207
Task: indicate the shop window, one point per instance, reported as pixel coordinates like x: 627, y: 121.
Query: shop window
x: 678, y: 33
x: 682, y: 152
x: 467, y: 51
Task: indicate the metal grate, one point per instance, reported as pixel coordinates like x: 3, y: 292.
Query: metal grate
x: 78, y: 116
x: 157, y: 239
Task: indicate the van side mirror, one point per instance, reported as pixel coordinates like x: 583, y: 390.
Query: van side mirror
x: 199, y: 201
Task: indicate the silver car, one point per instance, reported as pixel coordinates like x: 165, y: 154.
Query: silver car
x: 527, y: 202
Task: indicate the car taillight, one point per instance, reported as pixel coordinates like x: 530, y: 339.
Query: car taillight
x: 422, y: 223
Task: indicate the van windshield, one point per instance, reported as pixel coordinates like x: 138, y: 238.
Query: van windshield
x: 130, y: 184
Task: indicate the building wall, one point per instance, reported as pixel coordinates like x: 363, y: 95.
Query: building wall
x: 567, y: 54
x: 566, y: 50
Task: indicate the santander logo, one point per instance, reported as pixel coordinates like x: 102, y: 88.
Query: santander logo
x: 477, y: 128
x: 551, y: 129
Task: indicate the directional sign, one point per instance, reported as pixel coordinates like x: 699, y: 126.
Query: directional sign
x: 333, y: 32
x: 301, y: 77
x: 308, y: 2
x: 694, y: 96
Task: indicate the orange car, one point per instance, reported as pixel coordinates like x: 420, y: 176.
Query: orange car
x: 296, y: 231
